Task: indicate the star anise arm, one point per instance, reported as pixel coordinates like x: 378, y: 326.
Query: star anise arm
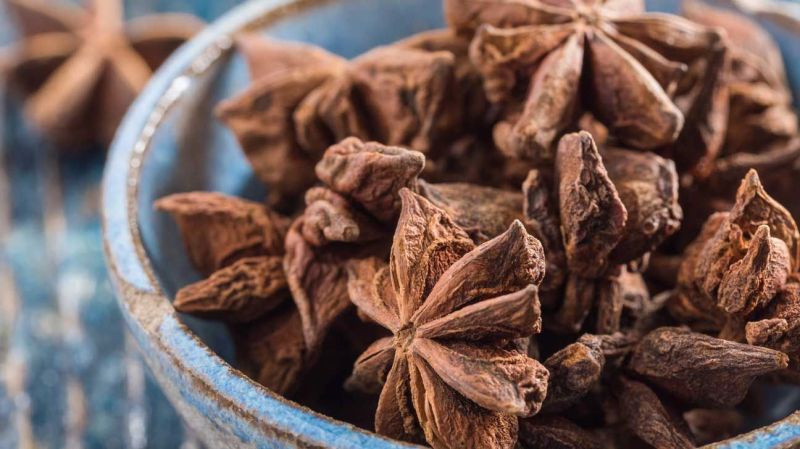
x: 628, y: 99
x: 754, y: 280
x: 318, y: 282
x: 515, y: 315
x: 329, y: 218
x: 241, y: 292
x: 592, y: 215
x: 573, y: 372
x: 426, y: 242
x: 451, y: 421
x: 496, y: 379
x: 755, y: 207
x: 36, y: 16
x: 366, y: 285
x: 395, y: 416
x: 272, y: 350
x: 372, y: 367
x: 542, y: 219
x: 108, y: 14
x: 219, y: 229
x: 517, y: 259
x: 700, y: 369
x: 29, y: 63
x: 648, y: 187
x: 579, y: 297
x: 647, y: 418
x: 56, y: 107
x: 500, y: 54
x: 779, y: 325
x: 667, y: 73
x: 550, y: 107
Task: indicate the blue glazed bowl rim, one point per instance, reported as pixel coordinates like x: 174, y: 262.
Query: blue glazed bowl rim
x: 250, y: 410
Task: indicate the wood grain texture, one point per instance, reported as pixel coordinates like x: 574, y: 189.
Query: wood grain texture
x: 69, y: 375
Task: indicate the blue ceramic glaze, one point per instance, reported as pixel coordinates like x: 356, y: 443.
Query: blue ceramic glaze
x: 170, y: 142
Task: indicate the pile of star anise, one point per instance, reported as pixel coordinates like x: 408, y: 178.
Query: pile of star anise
x: 539, y: 228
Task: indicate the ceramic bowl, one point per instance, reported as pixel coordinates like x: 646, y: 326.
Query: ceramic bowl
x: 170, y: 142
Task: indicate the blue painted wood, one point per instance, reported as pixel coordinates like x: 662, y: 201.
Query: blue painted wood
x: 69, y: 376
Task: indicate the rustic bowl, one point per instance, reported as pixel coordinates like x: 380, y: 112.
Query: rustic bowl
x: 170, y: 143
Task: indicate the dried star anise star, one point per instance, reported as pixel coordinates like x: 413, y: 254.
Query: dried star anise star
x: 762, y: 130
x: 262, y: 117
x: 238, y: 245
x: 403, y: 94
x: 641, y: 74
x: 81, y: 68
x: 760, y: 101
x: 739, y: 264
x: 606, y: 219
x: 352, y: 216
x: 451, y: 371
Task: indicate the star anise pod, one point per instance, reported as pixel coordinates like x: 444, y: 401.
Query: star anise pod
x: 699, y: 369
x: 642, y: 74
x: 451, y: 372
x: 80, y: 69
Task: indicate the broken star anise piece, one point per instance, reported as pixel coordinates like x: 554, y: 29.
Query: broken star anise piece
x: 641, y: 73
x: 455, y: 376
x: 699, y: 369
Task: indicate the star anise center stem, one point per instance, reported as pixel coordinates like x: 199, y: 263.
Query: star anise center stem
x: 587, y: 14
x: 405, y: 336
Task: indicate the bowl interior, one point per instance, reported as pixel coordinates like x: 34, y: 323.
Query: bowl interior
x: 191, y: 150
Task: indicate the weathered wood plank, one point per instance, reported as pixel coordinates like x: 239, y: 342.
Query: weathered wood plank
x: 69, y: 376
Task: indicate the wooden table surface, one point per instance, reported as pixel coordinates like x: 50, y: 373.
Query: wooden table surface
x: 69, y: 375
